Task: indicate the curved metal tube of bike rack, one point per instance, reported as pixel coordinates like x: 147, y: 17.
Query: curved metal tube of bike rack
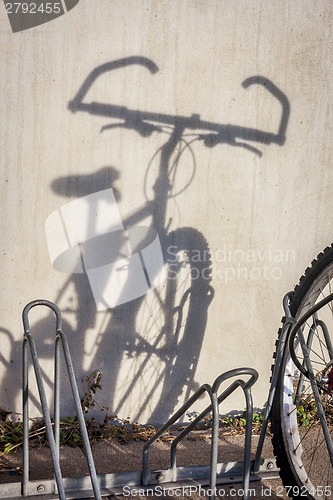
x: 307, y: 369
x: 215, y: 401
x: 289, y: 330
x: 147, y: 476
x: 52, y: 438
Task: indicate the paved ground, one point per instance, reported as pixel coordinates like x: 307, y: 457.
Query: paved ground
x: 116, y: 457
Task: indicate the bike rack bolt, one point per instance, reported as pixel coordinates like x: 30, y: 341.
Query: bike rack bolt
x: 40, y: 488
x: 160, y: 477
x: 270, y: 465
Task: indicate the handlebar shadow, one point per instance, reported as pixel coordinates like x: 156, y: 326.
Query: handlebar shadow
x: 147, y: 122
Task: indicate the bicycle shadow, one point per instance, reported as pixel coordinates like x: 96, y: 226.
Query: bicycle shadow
x: 147, y: 345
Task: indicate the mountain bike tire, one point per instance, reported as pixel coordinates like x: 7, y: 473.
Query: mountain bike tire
x: 298, y: 440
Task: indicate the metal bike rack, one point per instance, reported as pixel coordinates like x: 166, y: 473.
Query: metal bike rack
x: 307, y: 367
x: 53, y: 439
x: 171, y: 474
x: 289, y: 321
x: 113, y: 483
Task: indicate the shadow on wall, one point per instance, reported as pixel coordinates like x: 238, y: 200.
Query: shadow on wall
x: 141, y: 294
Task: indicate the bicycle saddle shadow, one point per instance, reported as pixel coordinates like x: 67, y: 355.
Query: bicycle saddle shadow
x: 73, y: 186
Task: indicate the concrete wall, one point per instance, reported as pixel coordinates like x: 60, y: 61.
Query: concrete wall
x: 262, y: 208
